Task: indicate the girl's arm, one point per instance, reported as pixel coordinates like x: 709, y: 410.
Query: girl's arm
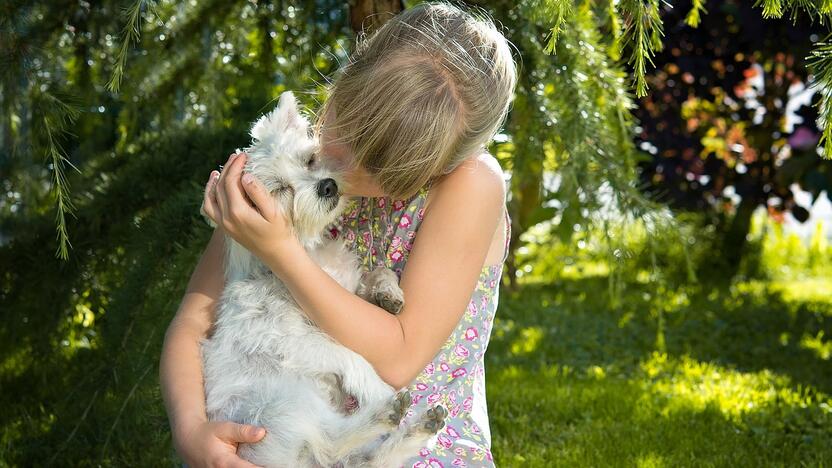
x: 438, y: 281
x: 198, y: 441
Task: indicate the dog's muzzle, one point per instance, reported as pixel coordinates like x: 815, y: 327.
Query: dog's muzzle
x: 327, y: 188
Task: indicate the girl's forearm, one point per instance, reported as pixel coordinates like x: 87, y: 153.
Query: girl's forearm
x: 180, y: 375
x: 365, y: 328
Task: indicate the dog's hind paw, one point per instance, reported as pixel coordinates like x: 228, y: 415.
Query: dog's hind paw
x: 434, y: 419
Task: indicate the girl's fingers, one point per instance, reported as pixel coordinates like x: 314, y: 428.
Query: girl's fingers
x: 209, y: 197
x: 232, y: 185
x: 235, y: 433
x: 222, y: 200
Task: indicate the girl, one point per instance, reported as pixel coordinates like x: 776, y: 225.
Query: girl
x: 407, y: 120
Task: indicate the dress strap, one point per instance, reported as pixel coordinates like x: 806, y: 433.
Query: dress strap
x: 508, y: 234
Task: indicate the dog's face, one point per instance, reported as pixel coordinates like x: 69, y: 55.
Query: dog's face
x: 284, y: 158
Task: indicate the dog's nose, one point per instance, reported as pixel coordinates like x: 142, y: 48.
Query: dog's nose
x: 327, y: 188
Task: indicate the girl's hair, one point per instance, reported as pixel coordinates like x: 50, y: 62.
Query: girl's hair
x: 422, y: 93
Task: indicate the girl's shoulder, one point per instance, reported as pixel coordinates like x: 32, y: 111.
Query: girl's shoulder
x: 479, y: 174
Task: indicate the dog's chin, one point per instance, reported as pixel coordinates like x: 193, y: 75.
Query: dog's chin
x: 333, y: 206
x: 311, y: 234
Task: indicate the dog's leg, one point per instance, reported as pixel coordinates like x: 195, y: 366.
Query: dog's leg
x: 381, y: 287
x: 316, y: 354
x: 302, y: 428
x: 366, y: 426
x: 407, y: 441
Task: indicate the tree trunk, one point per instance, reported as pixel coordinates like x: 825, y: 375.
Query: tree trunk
x: 368, y: 15
x: 527, y: 159
x: 736, y: 237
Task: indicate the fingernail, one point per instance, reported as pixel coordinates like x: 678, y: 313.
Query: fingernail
x: 258, y: 431
x: 248, y: 178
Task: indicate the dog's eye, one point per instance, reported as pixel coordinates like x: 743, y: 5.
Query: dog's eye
x: 311, y: 162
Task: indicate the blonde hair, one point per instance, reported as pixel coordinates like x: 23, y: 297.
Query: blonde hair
x: 422, y: 93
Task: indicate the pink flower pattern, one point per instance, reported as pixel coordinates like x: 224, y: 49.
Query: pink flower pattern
x: 383, y: 232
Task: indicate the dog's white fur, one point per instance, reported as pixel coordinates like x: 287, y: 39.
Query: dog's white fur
x: 267, y: 364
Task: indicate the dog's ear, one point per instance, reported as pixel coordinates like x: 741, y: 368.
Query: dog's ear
x: 283, y: 118
x: 288, y: 114
x: 265, y: 129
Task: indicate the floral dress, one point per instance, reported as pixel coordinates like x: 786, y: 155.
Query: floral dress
x: 382, y: 231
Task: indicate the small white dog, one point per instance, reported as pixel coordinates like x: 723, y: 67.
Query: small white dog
x: 265, y: 363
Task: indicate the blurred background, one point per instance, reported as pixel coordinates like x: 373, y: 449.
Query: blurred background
x: 667, y: 300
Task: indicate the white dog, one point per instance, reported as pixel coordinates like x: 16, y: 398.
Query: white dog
x: 266, y: 363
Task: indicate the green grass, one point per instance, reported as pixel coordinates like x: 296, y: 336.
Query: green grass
x: 743, y: 377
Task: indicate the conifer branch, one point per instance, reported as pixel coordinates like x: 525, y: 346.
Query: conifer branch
x: 771, y: 8
x: 614, y: 49
x: 695, y: 14
x: 816, y: 9
x: 55, y: 116
x: 820, y: 65
x: 559, y: 10
x: 643, y: 30
x: 129, y: 35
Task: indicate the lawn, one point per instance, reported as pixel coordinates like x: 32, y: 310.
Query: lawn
x: 743, y: 377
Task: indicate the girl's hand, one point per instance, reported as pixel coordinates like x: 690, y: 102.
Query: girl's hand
x: 214, y: 443
x: 245, y: 210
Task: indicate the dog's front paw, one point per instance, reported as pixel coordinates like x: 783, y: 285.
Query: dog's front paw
x: 381, y: 287
x: 398, y: 408
x: 391, y: 301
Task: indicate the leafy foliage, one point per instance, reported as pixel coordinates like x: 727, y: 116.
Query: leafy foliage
x: 729, y: 124
x: 822, y: 11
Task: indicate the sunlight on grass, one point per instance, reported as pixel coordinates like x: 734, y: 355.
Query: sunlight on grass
x: 688, y: 384
x: 528, y: 341
x: 741, y: 383
x: 652, y: 418
x: 650, y: 460
x: 817, y: 289
x: 816, y: 344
